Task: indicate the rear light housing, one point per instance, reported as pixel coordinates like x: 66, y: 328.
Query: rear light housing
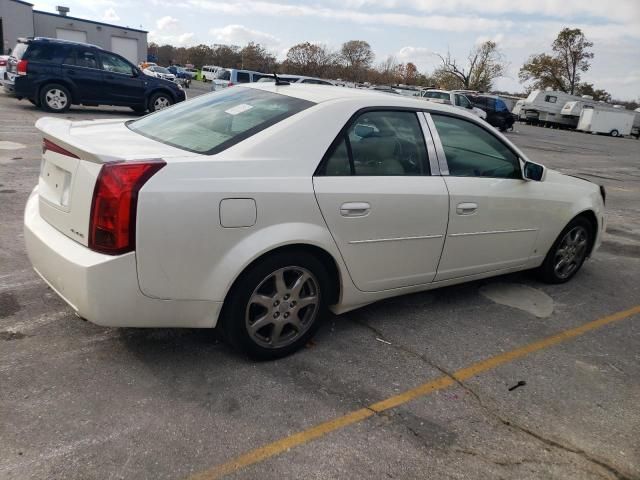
x: 112, y: 226
x: 230, y: 84
x: 21, y: 67
x: 2, y: 62
x: 48, y: 145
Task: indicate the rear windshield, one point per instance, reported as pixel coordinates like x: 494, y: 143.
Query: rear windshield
x: 212, y: 123
x: 18, y: 50
x: 223, y: 75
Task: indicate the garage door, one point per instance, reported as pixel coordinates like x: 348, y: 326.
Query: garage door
x: 127, y: 47
x: 73, y: 35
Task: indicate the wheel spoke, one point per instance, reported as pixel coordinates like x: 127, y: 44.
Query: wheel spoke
x: 259, y: 323
x: 306, y: 301
x: 299, y: 283
x: 281, y: 286
x: 275, y: 333
x: 262, y: 300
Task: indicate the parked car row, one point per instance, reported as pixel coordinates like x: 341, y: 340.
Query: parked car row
x: 54, y: 74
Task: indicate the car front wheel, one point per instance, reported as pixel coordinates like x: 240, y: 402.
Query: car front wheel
x: 569, y: 252
x: 276, y: 306
x: 159, y: 101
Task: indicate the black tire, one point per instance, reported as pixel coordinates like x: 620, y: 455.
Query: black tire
x: 33, y: 101
x: 55, y: 98
x: 548, y: 271
x: 139, y: 109
x: 614, y: 133
x: 238, y: 311
x: 159, y: 98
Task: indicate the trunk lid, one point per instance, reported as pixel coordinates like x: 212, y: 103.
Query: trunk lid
x: 70, y: 168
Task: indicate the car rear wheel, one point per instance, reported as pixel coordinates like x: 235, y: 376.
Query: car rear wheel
x: 614, y: 133
x: 569, y: 252
x: 55, y: 98
x: 276, y: 306
x: 159, y: 101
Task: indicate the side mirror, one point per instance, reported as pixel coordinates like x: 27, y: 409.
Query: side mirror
x: 469, y: 106
x: 532, y: 171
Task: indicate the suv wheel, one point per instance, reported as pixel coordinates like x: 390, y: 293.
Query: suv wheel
x: 276, y: 306
x: 159, y: 101
x: 55, y: 98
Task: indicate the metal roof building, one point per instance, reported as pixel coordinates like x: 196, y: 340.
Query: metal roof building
x: 19, y: 19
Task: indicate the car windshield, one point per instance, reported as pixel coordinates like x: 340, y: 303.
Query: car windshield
x: 440, y: 95
x: 161, y: 70
x: 211, y: 123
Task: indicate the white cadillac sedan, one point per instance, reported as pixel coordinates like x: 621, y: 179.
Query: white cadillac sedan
x: 256, y: 208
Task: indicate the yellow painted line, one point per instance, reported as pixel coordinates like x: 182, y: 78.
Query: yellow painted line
x: 305, y: 436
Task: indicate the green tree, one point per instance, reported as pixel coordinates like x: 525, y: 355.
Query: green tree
x: 561, y: 69
x: 597, y: 94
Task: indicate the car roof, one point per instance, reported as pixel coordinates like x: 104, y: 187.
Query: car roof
x: 366, y: 97
x: 59, y: 40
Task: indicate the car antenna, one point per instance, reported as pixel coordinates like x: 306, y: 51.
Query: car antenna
x: 278, y: 81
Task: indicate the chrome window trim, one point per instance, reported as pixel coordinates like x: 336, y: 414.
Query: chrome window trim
x: 442, y: 159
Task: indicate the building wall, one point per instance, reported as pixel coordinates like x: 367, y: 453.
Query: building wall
x: 17, y: 21
x: 100, y: 34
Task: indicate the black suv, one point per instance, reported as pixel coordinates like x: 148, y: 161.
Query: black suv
x: 54, y: 74
x: 498, y: 113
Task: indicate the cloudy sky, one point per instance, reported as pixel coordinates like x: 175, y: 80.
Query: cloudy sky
x: 411, y: 30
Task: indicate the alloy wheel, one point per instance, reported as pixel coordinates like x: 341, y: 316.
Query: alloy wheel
x: 56, y: 99
x: 160, y: 103
x: 571, y: 252
x: 283, y: 307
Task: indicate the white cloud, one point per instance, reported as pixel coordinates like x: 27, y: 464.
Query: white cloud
x: 110, y: 15
x: 497, y: 38
x: 423, y: 58
x: 167, y: 23
x: 179, y: 40
x: 241, y: 35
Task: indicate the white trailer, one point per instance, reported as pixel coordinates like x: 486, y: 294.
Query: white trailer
x: 615, y: 122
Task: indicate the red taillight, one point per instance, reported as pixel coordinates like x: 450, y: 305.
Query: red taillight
x: 49, y: 145
x: 2, y: 63
x: 21, y: 68
x: 230, y: 84
x: 112, y: 226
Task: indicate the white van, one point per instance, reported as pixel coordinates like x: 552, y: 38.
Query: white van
x: 227, y: 77
x: 209, y: 72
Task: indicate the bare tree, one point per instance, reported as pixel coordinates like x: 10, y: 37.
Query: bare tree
x: 484, y: 64
x: 309, y: 59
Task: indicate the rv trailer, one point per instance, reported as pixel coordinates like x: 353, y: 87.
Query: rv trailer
x: 544, y: 107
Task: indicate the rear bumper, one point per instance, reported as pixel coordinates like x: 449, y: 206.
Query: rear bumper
x: 102, y: 288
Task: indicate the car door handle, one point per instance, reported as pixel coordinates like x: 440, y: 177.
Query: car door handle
x: 466, y: 208
x: 355, y: 209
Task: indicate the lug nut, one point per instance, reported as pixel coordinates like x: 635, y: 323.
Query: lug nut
x: 292, y: 304
x: 286, y: 297
x: 286, y: 315
x: 276, y: 315
x: 276, y: 303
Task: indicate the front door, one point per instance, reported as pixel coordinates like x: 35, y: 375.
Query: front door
x: 81, y: 66
x: 386, y: 212
x: 493, y: 216
x: 121, y: 79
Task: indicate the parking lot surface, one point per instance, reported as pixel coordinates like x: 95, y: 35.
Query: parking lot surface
x: 78, y: 401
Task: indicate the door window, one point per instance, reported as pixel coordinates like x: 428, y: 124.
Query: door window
x: 380, y: 143
x: 472, y: 151
x: 115, y: 64
x: 550, y: 99
x: 243, y: 77
x: 462, y: 101
x: 86, y: 58
x: 501, y: 106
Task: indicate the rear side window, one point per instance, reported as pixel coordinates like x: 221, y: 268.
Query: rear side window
x: 46, y: 52
x: 379, y: 143
x: 471, y: 151
x: 550, y: 99
x: 501, y: 106
x: 212, y: 123
x: 244, y: 77
x: 87, y: 59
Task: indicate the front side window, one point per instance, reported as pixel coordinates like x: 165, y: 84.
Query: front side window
x: 223, y: 75
x: 472, y: 151
x: 550, y: 99
x: 115, y: 64
x: 462, y: 101
x: 380, y: 143
x: 86, y: 58
x: 212, y: 123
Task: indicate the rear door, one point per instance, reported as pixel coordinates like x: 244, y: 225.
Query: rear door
x: 121, y: 80
x: 382, y: 198
x: 82, y: 67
